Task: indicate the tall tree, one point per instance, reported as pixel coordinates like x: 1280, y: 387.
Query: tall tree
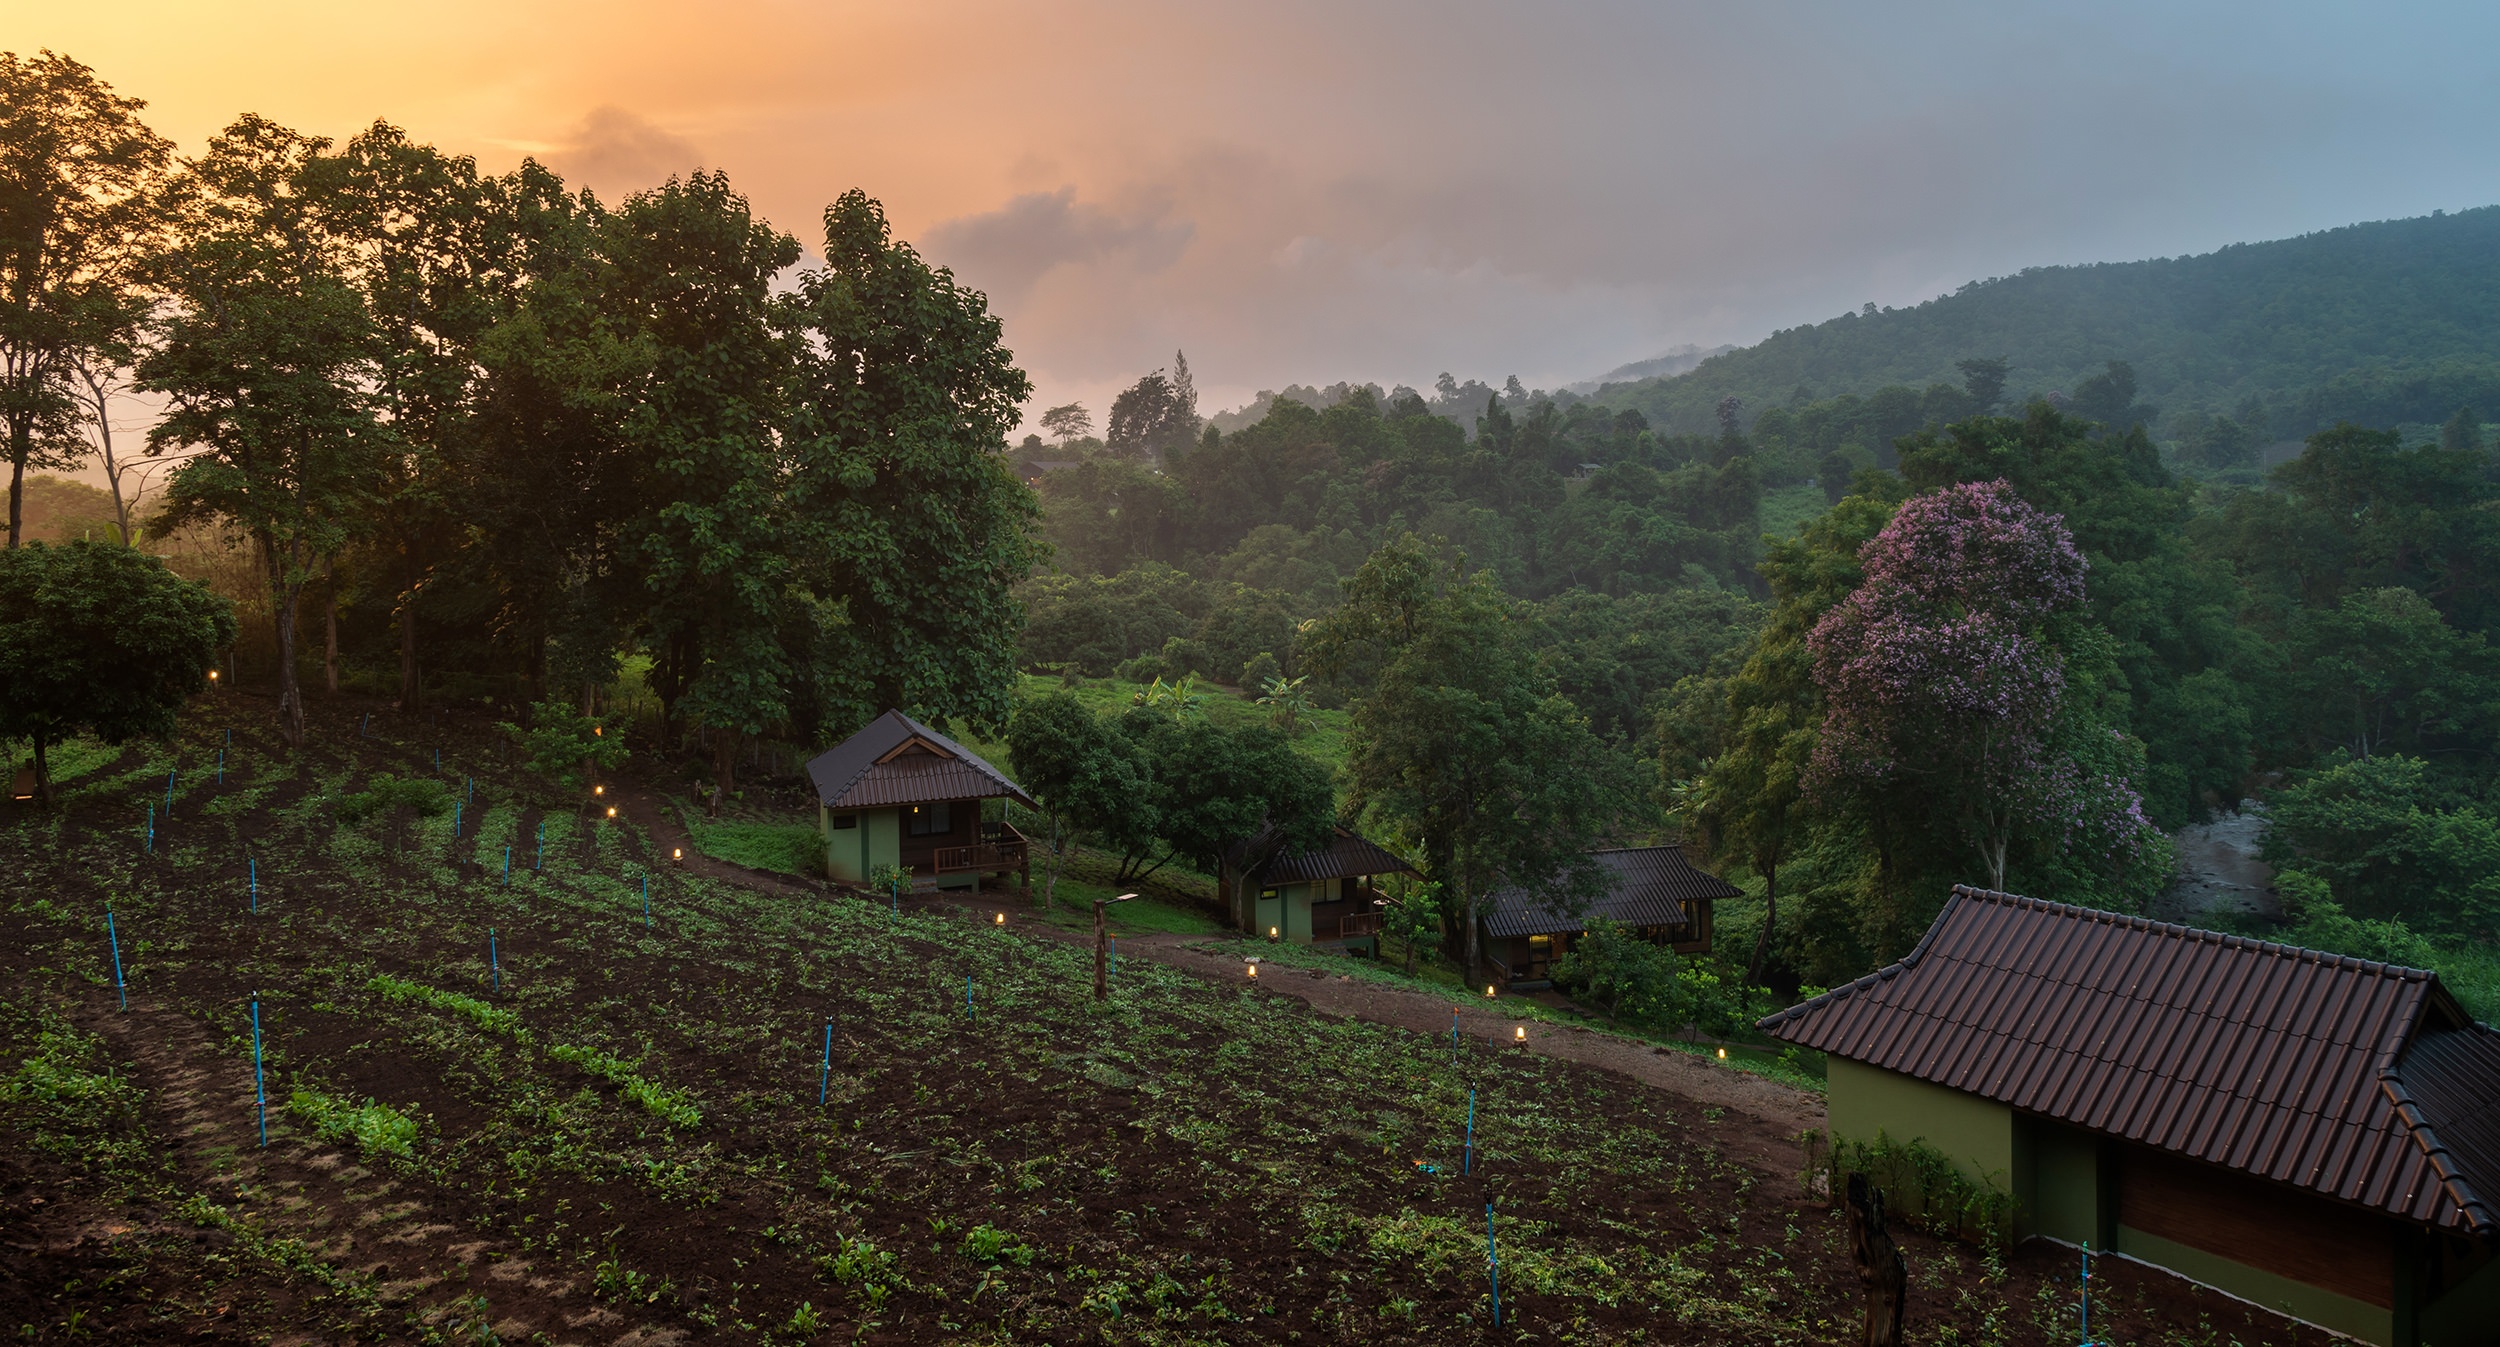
x: 415, y: 232
x: 1088, y: 778
x: 1068, y: 422
x: 268, y: 364
x: 78, y: 170
x: 909, y: 523
x: 100, y: 639
x: 1461, y: 745
x: 692, y: 269
x: 1154, y: 416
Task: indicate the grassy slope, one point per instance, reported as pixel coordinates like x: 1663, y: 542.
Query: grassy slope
x: 632, y: 1109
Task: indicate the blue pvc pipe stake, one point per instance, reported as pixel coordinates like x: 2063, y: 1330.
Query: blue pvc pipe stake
x: 541, y: 862
x: 967, y: 996
x: 1453, y: 1033
x: 455, y: 823
x: 254, y: 862
x: 366, y: 730
x: 646, y: 902
x: 468, y: 790
x: 1493, y: 1264
x: 494, y: 961
x: 438, y: 759
x: 824, y: 1076
x: 169, y: 792
x: 114, y: 937
x: 1115, y: 958
x: 229, y: 737
x: 507, y: 865
x: 260, y: 1082
x: 2087, y: 1293
x: 221, y: 766
x: 1471, y: 1133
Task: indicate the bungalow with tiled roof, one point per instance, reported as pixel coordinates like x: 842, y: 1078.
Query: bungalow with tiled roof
x: 1655, y: 892
x: 1323, y: 896
x: 2314, y: 1133
x: 899, y: 793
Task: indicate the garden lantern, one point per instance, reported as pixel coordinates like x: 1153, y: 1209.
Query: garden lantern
x: 1271, y: 932
x: 1520, y: 1035
x: 1254, y: 970
x: 1488, y: 991
x: 598, y: 790
x: 1722, y: 1054
x: 611, y: 811
x: 1000, y: 919
x: 677, y: 855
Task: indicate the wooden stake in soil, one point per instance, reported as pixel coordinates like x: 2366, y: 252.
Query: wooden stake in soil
x: 114, y: 938
x: 1102, y: 937
x: 260, y: 1082
x: 1881, y: 1274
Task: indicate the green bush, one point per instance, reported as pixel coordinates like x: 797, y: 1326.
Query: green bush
x: 1922, y: 1186
x: 386, y: 792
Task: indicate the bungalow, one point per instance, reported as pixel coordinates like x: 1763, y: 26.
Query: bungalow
x: 2314, y: 1133
x: 1320, y: 897
x: 1656, y: 891
x: 899, y: 793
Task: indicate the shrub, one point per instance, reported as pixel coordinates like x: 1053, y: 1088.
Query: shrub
x: 1921, y: 1185
x: 386, y: 792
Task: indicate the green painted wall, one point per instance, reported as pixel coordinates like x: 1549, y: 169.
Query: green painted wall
x: 1864, y: 1102
x: 2469, y: 1315
x: 851, y: 853
x: 1298, y: 913
x: 2298, y: 1299
x: 2057, y: 1189
x: 1270, y: 912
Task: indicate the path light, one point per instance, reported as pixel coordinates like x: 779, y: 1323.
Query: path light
x: 1271, y: 932
x: 611, y: 811
x: 1001, y: 919
x: 677, y: 855
x: 1519, y: 1035
x: 1254, y: 970
x: 598, y: 790
x: 1488, y: 991
x: 1722, y: 1054
x: 212, y: 675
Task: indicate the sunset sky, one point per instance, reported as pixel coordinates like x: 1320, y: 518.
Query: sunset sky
x: 1306, y: 193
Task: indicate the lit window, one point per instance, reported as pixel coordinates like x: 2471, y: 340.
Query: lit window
x: 932, y: 820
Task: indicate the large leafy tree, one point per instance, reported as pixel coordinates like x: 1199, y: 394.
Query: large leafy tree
x: 78, y: 171
x: 268, y: 362
x: 100, y: 639
x: 1088, y: 778
x: 1945, y: 677
x: 906, y: 523
x: 1461, y: 745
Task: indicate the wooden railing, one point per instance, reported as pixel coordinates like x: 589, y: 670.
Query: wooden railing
x: 1003, y: 851
x: 1354, y: 926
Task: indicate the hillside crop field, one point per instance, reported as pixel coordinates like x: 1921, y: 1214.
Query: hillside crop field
x: 609, y: 1131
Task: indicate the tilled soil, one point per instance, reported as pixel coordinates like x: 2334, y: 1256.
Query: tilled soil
x: 616, y: 1134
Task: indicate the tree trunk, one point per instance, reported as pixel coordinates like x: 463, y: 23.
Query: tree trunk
x: 104, y: 437
x: 284, y: 594
x: 1050, y: 872
x: 17, y: 482
x: 724, y: 768
x: 330, y: 633
x: 409, y: 687
x: 1881, y: 1274
x: 1770, y: 914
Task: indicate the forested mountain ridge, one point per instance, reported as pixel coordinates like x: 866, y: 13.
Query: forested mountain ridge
x: 2380, y: 323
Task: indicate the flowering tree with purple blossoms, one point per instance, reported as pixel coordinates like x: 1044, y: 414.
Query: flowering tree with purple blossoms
x: 1945, y: 678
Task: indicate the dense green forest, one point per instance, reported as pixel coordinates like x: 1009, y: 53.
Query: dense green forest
x: 439, y: 434
x: 2380, y: 324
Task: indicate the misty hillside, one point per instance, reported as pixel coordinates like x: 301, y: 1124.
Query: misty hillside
x: 2383, y: 323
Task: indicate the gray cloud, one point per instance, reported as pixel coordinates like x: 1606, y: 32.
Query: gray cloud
x: 1008, y: 250
x: 617, y: 153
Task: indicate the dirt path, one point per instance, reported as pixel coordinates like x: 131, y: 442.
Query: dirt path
x: 357, y: 1220
x: 1762, y: 1118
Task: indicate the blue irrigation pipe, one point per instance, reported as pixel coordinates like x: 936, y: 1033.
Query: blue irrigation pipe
x: 646, y: 902
x: 221, y: 766
x: 1453, y: 1033
x: 541, y: 862
x: 169, y: 792
x: 1471, y: 1133
x: 151, y: 843
x: 1115, y: 958
x: 365, y: 731
x: 967, y: 996
x: 507, y: 865
x: 1493, y: 1264
x: 114, y: 937
x: 468, y: 790
x: 2087, y: 1293
x: 494, y: 961
x: 254, y: 862
x: 438, y: 758
x: 455, y: 823
x: 824, y: 1075
x: 260, y: 1082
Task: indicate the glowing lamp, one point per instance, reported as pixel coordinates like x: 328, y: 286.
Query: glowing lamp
x: 1488, y: 991
x: 611, y: 811
x: 212, y: 675
x: 677, y: 855
x: 1000, y: 919
x: 597, y: 731
x: 1271, y: 932
x: 1254, y: 972
x: 1519, y: 1035
x: 598, y: 790
x: 1722, y: 1054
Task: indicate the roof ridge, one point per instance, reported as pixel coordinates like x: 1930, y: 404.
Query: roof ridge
x: 1884, y: 974
x: 2226, y: 939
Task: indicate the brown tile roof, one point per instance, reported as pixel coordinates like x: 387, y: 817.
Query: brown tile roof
x: 2447, y: 1088
x: 2259, y: 1057
x: 1643, y: 886
x: 1348, y: 855
x: 897, y: 760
